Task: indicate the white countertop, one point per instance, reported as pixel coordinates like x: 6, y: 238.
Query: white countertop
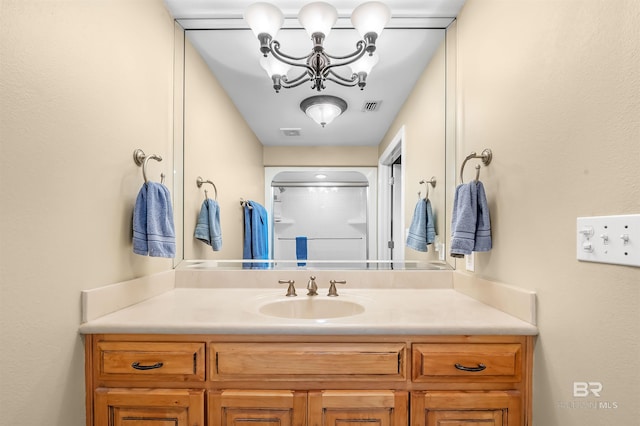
x: 234, y: 311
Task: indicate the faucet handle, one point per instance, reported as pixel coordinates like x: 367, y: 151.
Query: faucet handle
x: 312, y: 286
x: 332, y: 287
x: 291, y: 290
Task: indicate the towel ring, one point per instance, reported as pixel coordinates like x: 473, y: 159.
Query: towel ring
x: 486, y: 157
x: 431, y: 181
x: 201, y: 182
x: 141, y: 159
x: 244, y: 203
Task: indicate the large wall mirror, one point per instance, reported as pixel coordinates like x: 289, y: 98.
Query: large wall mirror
x: 393, y: 145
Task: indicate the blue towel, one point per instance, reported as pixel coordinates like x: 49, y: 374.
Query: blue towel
x: 208, y: 226
x: 422, y: 230
x: 246, y: 242
x: 431, y: 224
x: 259, y: 232
x: 463, y: 219
x: 256, y: 230
x: 470, y: 222
x: 153, y: 230
x: 301, y: 250
x: 417, y: 237
x: 483, y: 223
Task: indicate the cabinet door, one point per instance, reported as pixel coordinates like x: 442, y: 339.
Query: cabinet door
x: 355, y: 408
x: 148, y: 407
x: 257, y: 408
x: 471, y: 408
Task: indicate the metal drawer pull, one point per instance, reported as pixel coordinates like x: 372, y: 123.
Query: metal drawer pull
x: 480, y: 367
x: 137, y: 366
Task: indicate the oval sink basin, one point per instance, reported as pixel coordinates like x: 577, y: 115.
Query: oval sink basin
x: 310, y: 308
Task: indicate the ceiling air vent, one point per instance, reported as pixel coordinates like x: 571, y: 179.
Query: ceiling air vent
x: 290, y: 131
x: 371, y: 106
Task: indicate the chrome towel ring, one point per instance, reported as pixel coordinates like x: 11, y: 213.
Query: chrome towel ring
x: 201, y: 182
x: 431, y: 181
x: 486, y: 157
x: 141, y: 159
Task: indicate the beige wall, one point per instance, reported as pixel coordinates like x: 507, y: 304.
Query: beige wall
x: 319, y: 156
x: 423, y: 119
x: 228, y: 153
x: 82, y: 85
x: 553, y: 88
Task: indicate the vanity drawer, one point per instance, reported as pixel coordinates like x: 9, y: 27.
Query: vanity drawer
x: 464, y: 362
x: 240, y: 361
x: 151, y: 361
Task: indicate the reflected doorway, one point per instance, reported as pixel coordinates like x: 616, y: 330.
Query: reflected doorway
x: 321, y: 213
x: 391, y: 208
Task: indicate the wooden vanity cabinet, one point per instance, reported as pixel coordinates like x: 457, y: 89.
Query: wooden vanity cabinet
x: 148, y: 407
x: 266, y: 380
x: 298, y: 408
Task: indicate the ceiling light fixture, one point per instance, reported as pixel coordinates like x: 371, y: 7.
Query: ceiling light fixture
x: 318, y: 18
x: 323, y: 108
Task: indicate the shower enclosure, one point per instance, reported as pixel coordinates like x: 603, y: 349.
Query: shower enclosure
x: 321, y: 215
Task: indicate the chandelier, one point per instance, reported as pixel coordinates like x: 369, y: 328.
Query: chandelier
x: 319, y: 66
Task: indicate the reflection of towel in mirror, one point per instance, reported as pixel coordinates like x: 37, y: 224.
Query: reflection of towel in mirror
x: 483, y: 223
x: 255, y: 244
x: 470, y: 222
x: 153, y: 230
x: 208, y: 226
x: 422, y: 230
x: 301, y: 250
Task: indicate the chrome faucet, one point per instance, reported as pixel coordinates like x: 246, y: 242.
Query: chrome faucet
x: 333, y: 292
x: 312, y: 286
x: 291, y: 290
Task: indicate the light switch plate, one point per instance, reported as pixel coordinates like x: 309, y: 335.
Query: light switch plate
x: 470, y: 262
x: 609, y: 239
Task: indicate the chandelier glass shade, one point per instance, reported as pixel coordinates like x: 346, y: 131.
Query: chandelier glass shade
x: 318, y: 66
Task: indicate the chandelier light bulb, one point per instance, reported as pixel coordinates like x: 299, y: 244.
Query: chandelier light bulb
x: 364, y: 64
x: 318, y: 17
x: 274, y: 67
x: 370, y: 17
x: 264, y: 18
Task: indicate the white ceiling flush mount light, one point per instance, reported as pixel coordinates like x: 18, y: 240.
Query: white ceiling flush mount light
x: 318, y: 66
x: 323, y: 108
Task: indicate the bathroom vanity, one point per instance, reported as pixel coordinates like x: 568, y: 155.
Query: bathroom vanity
x: 205, y: 356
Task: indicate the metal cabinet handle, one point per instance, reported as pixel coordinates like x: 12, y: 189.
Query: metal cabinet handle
x: 137, y: 366
x: 480, y: 367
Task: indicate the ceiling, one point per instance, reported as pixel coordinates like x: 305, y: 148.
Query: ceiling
x: 228, y: 46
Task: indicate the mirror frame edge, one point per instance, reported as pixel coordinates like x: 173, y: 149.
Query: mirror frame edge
x: 179, y: 143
